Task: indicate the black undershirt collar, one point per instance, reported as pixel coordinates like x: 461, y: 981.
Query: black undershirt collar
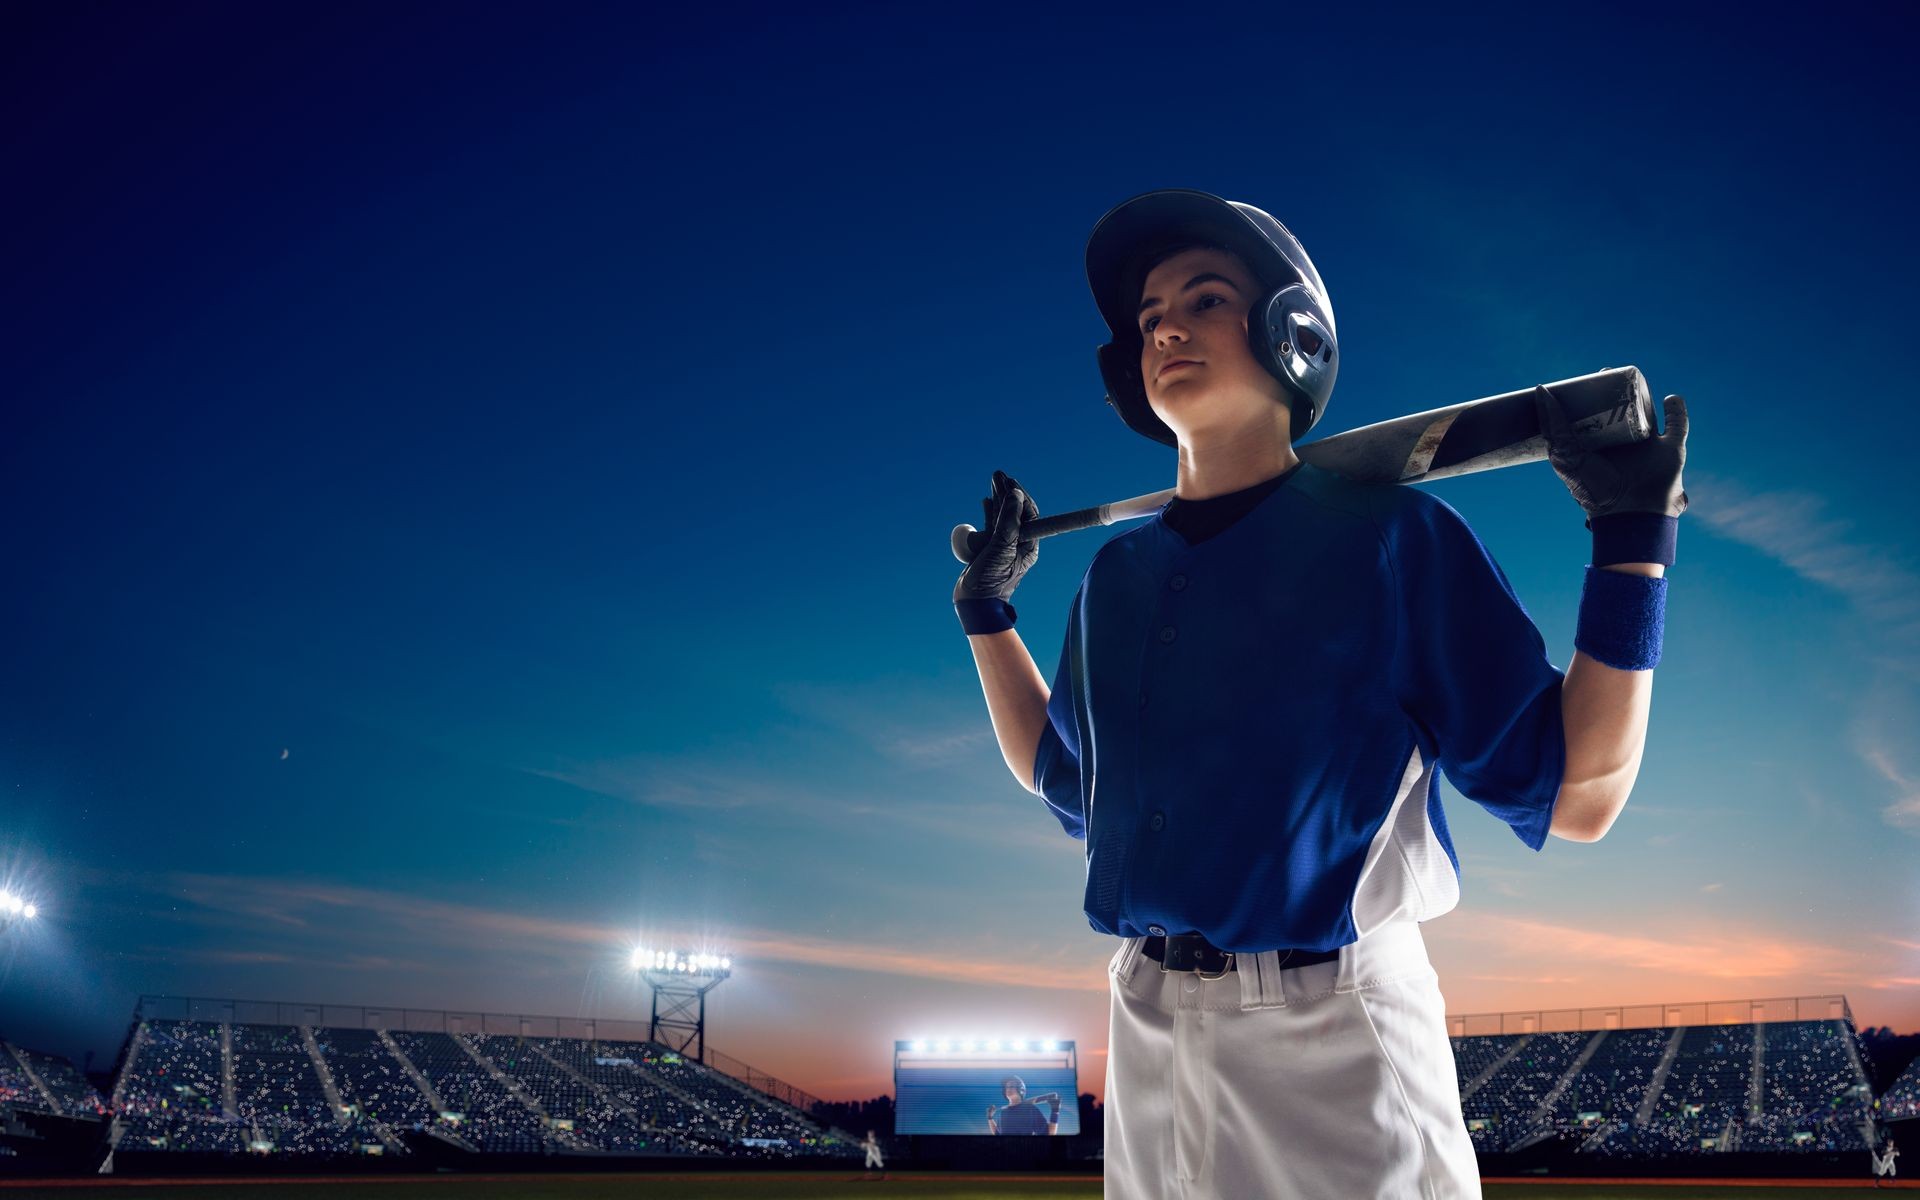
x: 1197, y: 520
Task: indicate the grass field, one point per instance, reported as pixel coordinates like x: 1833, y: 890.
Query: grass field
x: 815, y: 1186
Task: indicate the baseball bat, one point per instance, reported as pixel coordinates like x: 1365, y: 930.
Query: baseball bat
x: 1606, y: 408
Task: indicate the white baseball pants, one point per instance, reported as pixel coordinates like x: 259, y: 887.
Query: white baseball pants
x: 1334, y: 1081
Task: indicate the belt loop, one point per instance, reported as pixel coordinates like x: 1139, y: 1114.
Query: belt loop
x: 1260, y: 981
x: 1129, y: 959
x: 1344, y: 978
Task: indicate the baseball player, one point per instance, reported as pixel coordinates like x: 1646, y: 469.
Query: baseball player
x: 1883, y: 1162
x: 872, y: 1147
x: 1257, y: 688
x: 1022, y: 1116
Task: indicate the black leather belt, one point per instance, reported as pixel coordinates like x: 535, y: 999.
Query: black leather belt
x: 1191, y: 952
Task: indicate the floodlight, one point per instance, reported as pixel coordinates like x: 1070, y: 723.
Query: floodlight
x: 1050, y: 1046
x: 10, y: 902
x: 31, y: 911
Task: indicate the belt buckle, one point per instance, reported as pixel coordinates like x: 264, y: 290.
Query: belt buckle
x: 1224, y: 971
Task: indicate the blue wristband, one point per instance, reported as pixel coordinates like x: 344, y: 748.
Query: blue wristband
x: 1621, y: 619
x: 989, y: 615
x: 1635, y: 537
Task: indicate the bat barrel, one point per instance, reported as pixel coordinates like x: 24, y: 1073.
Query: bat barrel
x: 1606, y: 408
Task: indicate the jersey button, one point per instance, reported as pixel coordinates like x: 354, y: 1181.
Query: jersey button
x: 1157, y: 822
x: 1178, y: 583
x: 1157, y: 930
x: 1167, y: 634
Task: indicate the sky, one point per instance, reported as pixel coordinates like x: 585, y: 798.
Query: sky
x: 475, y: 485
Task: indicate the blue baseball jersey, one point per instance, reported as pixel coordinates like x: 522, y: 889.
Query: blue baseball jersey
x: 1246, y: 730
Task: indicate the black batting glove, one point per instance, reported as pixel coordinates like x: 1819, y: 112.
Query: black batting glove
x: 1640, y: 478
x: 997, y: 569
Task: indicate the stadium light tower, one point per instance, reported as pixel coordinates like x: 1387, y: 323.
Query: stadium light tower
x: 15, y: 911
x: 680, y: 983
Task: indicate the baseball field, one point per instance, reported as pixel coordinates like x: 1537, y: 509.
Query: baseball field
x: 820, y: 1186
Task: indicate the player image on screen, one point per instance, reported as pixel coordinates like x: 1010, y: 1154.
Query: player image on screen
x: 1021, y: 1115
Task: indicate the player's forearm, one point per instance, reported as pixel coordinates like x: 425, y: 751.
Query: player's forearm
x: 1017, y: 697
x: 1604, y: 713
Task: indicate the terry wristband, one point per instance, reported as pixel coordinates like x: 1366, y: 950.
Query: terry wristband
x: 1621, y: 619
x: 1635, y: 537
x: 984, y: 615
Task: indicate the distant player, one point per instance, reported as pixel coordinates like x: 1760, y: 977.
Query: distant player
x: 1022, y: 1116
x: 1258, y: 688
x: 872, y: 1147
x: 1883, y: 1162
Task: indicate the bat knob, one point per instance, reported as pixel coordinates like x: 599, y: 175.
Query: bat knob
x: 966, y: 542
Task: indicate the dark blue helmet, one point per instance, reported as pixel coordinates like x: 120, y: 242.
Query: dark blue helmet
x: 1289, y: 328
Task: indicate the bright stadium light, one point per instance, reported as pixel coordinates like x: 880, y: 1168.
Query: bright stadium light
x: 15, y: 910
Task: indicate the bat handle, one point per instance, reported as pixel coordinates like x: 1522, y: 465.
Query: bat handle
x: 968, y: 541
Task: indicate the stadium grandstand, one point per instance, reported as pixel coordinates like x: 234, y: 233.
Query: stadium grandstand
x: 1901, y: 1100
x: 1598, y: 1091
x: 51, y: 1119
x: 1776, y: 1076
x: 231, y: 1077
x: 34, y: 1082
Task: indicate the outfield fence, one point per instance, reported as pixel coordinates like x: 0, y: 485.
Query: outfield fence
x: 1653, y: 1016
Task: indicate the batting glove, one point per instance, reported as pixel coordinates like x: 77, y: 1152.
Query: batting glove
x: 1643, y: 477
x: 982, y: 595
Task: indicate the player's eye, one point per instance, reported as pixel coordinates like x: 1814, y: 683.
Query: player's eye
x: 1199, y: 305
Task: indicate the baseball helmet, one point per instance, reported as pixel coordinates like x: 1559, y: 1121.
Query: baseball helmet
x: 1014, y: 1081
x: 1289, y: 327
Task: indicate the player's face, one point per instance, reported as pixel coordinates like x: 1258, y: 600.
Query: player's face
x: 1194, y: 358
x: 1013, y: 1094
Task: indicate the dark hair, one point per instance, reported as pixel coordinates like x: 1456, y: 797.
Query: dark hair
x: 1154, y: 259
x: 1155, y: 255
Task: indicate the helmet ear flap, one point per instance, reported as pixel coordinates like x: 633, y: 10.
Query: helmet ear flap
x: 1291, y: 338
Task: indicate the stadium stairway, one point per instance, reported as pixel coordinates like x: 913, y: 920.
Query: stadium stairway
x: 229, y: 1101
x: 513, y: 1088
x: 1659, y: 1080
x: 331, y: 1089
x: 1493, y: 1068
x: 606, y: 1094
x: 1541, y: 1119
x: 33, y: 1077
x: 406, y: 1064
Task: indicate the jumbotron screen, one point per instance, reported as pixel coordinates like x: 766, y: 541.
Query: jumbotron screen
x: 1003, y: 1088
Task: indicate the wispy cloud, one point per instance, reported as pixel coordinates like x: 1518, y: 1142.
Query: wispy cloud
x: 430, y: 928
x: 1709, y: 953
x: 1009, y: 817
x: 668, y: 783
x: 1711, y: 887
x: 910, y: 721
x: 1882, y: 737
x: 1795, y: 529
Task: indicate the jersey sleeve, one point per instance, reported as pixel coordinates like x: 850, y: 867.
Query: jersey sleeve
x: 1471, y: 670
x: 1056, y: 766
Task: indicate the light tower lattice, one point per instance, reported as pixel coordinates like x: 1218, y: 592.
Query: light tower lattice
x: 680, y: 982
